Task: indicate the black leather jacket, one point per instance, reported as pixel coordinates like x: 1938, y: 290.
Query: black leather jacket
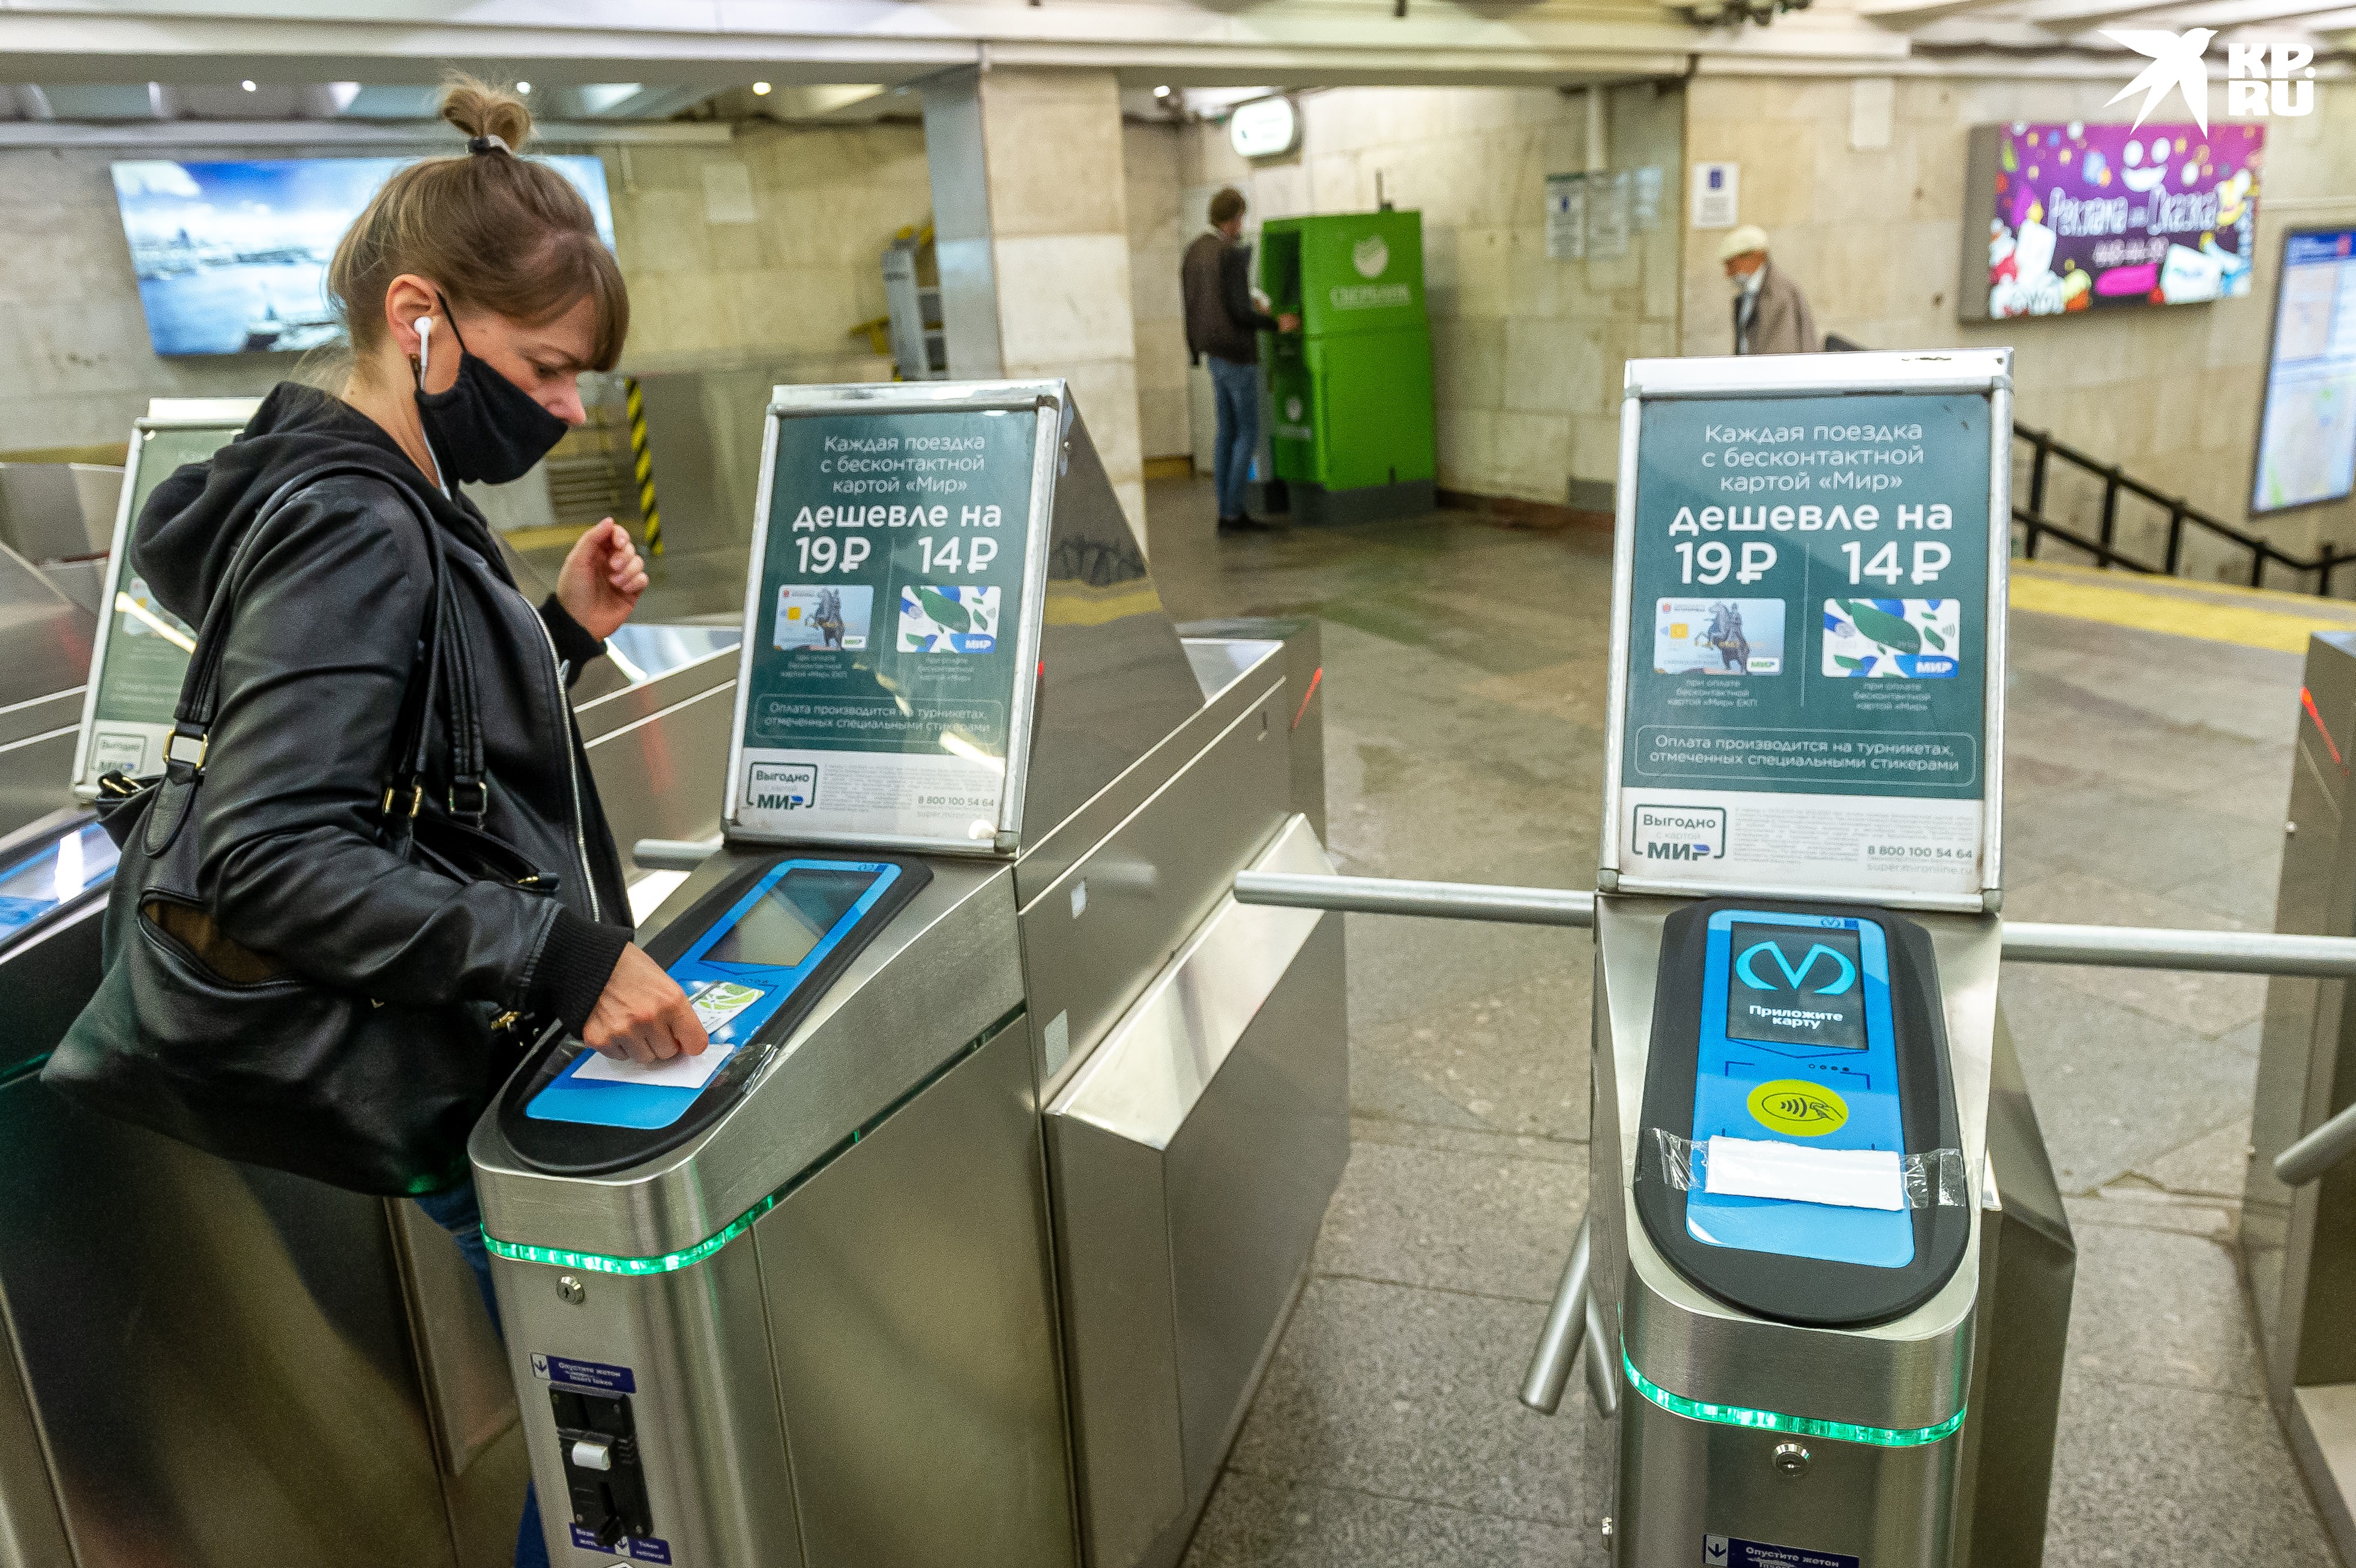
x: 330, y: 606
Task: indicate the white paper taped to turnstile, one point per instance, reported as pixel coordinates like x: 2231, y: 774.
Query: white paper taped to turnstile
x: 1849, y: 1178
x: 682, y: 1072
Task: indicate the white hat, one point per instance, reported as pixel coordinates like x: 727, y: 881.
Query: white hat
x: 1742, y: 242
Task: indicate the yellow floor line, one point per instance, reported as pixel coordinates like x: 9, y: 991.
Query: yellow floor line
x: 2285, y: 628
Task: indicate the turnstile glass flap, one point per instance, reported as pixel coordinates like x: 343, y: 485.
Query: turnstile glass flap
x: 1800, y: 1155
x: 754, y: 955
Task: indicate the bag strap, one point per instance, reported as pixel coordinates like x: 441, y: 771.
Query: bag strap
x: 445, y: 658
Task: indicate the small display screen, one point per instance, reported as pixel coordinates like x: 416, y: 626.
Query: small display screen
x: 779, y: 931
x: 1795, y: 985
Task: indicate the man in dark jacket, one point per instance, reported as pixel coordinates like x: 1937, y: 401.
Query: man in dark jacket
x: 1223, y: 323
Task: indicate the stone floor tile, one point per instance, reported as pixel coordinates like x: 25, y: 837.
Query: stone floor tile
x: 1495, y: 1225
x: 2148, y: 1474
x: 2215, y: 1165
x: 1367, y: 1128
x: 2115, y: 1087
x: 1255, y: 1522
x: 2149, y: 1307
x: 1409, y: 1393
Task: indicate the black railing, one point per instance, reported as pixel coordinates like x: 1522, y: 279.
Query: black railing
x: 2181, y: 513
x: 2182, y: 517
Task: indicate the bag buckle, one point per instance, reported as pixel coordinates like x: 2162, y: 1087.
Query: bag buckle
x: 416, y: 798
x: 204, y: 744
x: 478, y: 798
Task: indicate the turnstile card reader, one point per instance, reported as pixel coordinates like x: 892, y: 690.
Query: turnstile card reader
x: 754, y: 956
x: 1799, y: 1113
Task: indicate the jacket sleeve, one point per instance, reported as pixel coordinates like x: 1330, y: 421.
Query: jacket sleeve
x: 1234, y: 290
x: 318, y: 655
x: 575, y: 645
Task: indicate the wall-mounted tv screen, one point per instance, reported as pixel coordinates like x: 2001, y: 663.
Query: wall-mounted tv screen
x: 2307, y: 435
x: 2065, y: 217
x: 232, y: 257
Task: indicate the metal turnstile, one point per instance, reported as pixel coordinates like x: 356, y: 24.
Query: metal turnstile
x: 970, y: 1239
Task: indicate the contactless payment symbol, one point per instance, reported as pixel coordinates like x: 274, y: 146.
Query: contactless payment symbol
x: 1801, y: 1109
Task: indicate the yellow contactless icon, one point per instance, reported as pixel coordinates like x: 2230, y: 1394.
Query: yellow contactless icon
x: 1795, y: 1106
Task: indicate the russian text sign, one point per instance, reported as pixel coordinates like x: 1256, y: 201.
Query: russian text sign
x: 884, y: 678
x: 1808, y: 644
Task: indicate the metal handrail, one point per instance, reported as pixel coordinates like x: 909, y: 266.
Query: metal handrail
x: 2115, y: 946
x: 2182, y: 515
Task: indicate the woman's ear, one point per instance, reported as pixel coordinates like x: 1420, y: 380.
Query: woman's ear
x: 407, y: 299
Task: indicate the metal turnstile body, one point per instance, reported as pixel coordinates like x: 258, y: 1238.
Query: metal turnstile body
x: 982, y: 1263
x: 1722, y: 1391
x: 2299, y: 1244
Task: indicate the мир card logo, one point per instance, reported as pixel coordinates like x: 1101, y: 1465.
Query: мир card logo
x: 781, y: 785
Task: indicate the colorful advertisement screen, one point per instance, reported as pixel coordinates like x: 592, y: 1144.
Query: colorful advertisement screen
x: 232, y: 257
x: 2307, y: 437
x: 2093, y: 217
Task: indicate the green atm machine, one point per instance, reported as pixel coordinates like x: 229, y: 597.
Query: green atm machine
x: 1351, y: 391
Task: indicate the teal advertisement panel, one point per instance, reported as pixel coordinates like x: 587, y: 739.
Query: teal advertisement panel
x: 1808, y: 642
x: 144, y: 654
x: 882, y: 641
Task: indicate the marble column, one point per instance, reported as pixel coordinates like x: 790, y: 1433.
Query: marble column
x: 1031, y: 230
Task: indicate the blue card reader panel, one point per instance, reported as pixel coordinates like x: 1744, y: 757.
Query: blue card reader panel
x: 737, y: 974
x: 1797, y: 1047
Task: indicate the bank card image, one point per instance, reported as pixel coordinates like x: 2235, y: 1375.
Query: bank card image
x: 717, y: 1001
x: 1717, y: 636
x: 1899, y: 639
x: 824, y: 615
x: 947, y: 619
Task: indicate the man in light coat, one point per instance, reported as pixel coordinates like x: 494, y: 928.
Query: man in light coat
x: 1771, y: 314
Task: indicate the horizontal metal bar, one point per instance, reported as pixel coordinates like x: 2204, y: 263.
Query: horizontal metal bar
x: 2151, y: 947
x: 2113, y: 947
x: 2318, y: 1151
x: 673, y: 855
x: 1445, y: 900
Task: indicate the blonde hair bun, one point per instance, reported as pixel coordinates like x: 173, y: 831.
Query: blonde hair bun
x: 481, y: 110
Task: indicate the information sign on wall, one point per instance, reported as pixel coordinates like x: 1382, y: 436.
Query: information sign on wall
x: 2307, y: 437
x: 891, y: 624
x: 1717, y: 196
x: 1608, y: 215
x: 1566, y: 216
x: 1808, y: 626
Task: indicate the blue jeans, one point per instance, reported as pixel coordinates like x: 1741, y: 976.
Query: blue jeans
x: 457, y: 1212
x: 1236, y: 390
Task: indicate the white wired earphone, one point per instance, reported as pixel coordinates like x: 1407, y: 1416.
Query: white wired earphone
x: 424, y: 364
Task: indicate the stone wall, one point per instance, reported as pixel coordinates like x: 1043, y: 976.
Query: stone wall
x: 1527, y: 351
x: 1873, y: 235
x: 784, y: 289
x: 1157, y: 239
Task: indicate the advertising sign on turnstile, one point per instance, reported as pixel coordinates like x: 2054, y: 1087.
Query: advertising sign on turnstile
x: 892, y: 616
x: 143, y: 649
x: 1808, y: 604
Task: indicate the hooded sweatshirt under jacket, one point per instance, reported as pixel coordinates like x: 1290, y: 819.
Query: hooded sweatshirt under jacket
x: 331, y: 597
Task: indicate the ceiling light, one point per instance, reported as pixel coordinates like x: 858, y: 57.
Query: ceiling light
x: 760, y: 89
x: 523, y: 87
x: 1161, y: 92
x: 247, y: 85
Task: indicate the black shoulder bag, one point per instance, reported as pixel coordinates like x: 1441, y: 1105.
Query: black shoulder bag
x: 198, y: 1037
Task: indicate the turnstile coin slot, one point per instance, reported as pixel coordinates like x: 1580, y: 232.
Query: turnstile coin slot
x: 1809, y: 1043
x: 754, y: 956
x: 597, y: 1440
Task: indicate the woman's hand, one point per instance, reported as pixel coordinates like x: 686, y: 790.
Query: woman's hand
x: 643, y: 1015
x: 602, y: 579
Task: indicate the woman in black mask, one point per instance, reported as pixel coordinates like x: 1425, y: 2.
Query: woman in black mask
x: 475, y: 291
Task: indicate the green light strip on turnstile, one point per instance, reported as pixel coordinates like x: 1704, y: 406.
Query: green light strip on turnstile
x: 1776, y: 1421
x: 688, y: 1257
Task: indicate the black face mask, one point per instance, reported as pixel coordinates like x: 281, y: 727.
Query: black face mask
x: 485, y: 429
